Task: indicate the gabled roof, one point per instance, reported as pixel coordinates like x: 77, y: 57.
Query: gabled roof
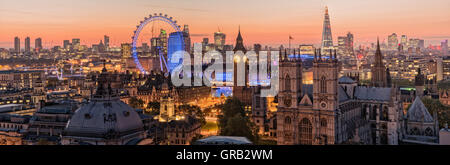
x: 372, y: 93
x: 418, y: 112
x: 346, y: 80
x: 342, y: 94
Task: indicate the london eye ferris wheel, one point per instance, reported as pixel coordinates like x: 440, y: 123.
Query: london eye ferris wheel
x: 166, y: 40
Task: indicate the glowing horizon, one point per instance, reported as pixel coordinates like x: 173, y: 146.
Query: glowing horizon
x: 262, y: 21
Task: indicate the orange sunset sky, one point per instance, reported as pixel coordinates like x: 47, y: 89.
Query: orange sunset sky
x: 268, y: 22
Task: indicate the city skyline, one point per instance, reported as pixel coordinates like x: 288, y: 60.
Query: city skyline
x: 302, y: 20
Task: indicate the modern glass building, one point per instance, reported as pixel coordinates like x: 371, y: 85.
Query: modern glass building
x: 175, y: 48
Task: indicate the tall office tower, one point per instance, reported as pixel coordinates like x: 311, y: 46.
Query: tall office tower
x: 38, y: 44
x: 163, y: 40
x: 187, y: 39
x: 393, y: 41
x: 205, y: 42
x: 345, y: 45
x: 126, y: 50
x: 76, y: 43
x: 17, y: 44
x: 350, y: 43
x: 444, y: 47
x: 66, y: 44
x: 106, y: 39
x: 219, y: 40
x: 27, y: 45
x: 341, y: 52
x: 413, y: 43
x: 421, y: 44
x: 174, y: 48
x: 404, y: 42
x: 155, y: 46
x: 327, y: 39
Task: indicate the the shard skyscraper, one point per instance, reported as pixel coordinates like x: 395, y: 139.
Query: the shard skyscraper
x: 327, y: 39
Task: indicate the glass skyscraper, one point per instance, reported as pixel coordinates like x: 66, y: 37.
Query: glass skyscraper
x: 175, y: 48
x: 327, y: 39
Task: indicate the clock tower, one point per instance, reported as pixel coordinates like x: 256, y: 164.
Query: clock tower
x: 325, y: 97
x: 289, y: 95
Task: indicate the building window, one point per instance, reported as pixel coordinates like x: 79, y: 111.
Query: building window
x: 287, y: 120
x: 305, y: 129
x: 287, y: 83
x: 323, y: 85
x: 323, y: 122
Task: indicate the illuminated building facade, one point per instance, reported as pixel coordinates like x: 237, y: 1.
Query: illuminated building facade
x: 219, y: 40
x: 334, y: 110
x: 175, y: 49
x: 393, y: 41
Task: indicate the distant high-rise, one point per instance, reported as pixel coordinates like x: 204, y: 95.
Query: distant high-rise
x: 187, y: 39
x: 76, y: 43
x: 163, y: 40
x: 444, y: 47
x: 17, y: 44
x: 219, y: 40
x: 350, y: 43
x: 27, y: 45
x: 345, y: 45
x: 327, y: 39
x: 66, y: 44
x: 393, y: 41
x: 205, y: 42
x: 404, y: 42
x: 126, y: 50
x: 106, y: 38
x: 174, y: 48
x: 38, y: 44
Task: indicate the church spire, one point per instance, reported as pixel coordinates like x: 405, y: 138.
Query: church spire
x: 379, y: 76
x: 239, y: 42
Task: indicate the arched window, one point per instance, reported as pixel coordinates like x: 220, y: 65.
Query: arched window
x: 323, y: 122
x: 305, y: 130
x: 428, y: 132
x: 287, y: 83
x: 385, y: 115
x: 415, y: 131
x: 323, y: 85
x: 373, y: 114
x: 287, y: 120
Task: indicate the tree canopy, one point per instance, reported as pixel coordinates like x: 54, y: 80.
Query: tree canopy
x: 235, y: 122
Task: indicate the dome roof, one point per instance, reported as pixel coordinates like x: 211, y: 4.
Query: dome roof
x: 105, y: 116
